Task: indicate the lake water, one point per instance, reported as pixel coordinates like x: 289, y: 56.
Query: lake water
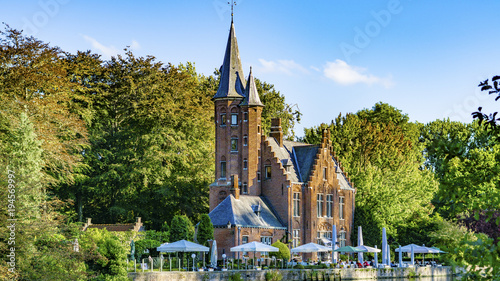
x: 436, y: 278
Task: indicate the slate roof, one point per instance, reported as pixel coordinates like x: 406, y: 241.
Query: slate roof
x: 240, y: 212
x: 300, y: 157
x: 251, y: 94
x: 232, y: 81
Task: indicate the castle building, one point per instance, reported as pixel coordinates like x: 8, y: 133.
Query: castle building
x: 267, y: 188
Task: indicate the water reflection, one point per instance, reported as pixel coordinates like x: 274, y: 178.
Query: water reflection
x: 435, y: 278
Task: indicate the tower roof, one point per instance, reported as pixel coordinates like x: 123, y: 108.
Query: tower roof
x: 251, y: 94
x: 232, y: 80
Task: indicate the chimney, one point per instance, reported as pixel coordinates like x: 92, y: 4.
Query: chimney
x: 276, y: 131
x: 235, y: 190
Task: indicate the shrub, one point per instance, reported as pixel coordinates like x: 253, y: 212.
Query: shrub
x: 273, y: 275
x: 284, y: 252
x: 299, y: 266
x: 235, y: 277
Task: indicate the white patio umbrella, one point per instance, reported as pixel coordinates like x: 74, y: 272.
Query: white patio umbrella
x: 367, y: 249
x: 254, y: 247
x: 412, y: 248
x: 182, y: 246
x: 360, y: 243
x: 384, y: 246
x: 310, y: 248
x: 334, y: 243
x: 213, y: 256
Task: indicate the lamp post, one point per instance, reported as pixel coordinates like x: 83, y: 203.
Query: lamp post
x: 224, y: 261
x: 193, y: 256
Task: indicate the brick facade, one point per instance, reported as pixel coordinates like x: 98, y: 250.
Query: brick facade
x: 286, y: 175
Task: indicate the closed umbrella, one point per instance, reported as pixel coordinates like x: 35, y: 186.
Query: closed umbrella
x: 384, y: 246
x: 376, y: 257
x: 334, y: 243
x: 360, y: 243
x: 400, y: 257
x: 412, y: 255
x: 389, y: 254
x: 213, y: 256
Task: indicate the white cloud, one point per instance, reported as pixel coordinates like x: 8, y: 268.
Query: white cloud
x: 107, y: 51
x: 135, y: 45
x: 344, y: 74
x: 288, y: 67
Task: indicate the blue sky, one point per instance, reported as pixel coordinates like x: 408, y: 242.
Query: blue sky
x: 328, y: 57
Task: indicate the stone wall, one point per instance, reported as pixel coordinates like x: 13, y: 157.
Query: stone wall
x: 437, y: 273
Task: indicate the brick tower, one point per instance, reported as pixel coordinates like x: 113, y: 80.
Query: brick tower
x: 237, y: 130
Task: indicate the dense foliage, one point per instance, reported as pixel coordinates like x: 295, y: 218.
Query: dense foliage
x: 132, y: 136
x: 381, y: 152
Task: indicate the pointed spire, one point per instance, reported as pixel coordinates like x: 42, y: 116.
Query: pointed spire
x: 232, y: 80
x: 251, y: 94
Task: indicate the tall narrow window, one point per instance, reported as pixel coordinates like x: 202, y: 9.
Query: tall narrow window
x: 223, y: 119
x: 234, y: 119
x: 319, y: 204
x: 245, y: 140
x: 245, y: 164
x: 341, y: 207
x: 325, y: 171
x: 223, y: 169
x: 258, y: 176
x: 329, y: 205
x: 245, y: 188
x: 296, y: 238
x: 258, y: 129
x: 296, y: 204
x: 245, y: 116
x: 268, y: 172
x: 234, y: 144
x: 342, y: 238
x: 244, y: 240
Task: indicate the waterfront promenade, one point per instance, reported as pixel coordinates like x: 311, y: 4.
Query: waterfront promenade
x: 299, y: 274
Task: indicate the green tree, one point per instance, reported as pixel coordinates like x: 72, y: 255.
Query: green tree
x: 181, y: 228
x: 205, y: 230
x: 381, y: 153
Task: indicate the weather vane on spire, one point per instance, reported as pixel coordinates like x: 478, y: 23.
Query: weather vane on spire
x: 232, y: 3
